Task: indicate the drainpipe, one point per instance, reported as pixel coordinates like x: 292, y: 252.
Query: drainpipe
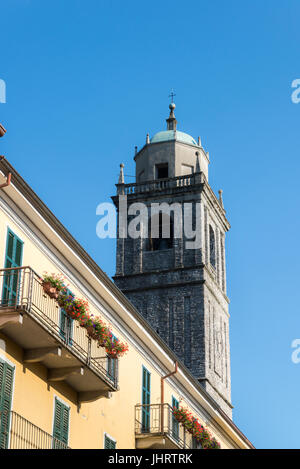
x: 162, y: 394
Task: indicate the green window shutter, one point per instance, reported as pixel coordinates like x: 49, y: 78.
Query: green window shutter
x: 14, y: 250
x: 146, y: 388
x: 109, y: 443
x: 111, y: 364
x: 18, y: 252
x: 57, y: 419
x: 61, y: 423
x: 175, y: 403
x: 9, y: 249
x: 66, y: 324
x: 13, y: 258
x: 175, y: 423
x: 6, y: 389
x: 65, y: 425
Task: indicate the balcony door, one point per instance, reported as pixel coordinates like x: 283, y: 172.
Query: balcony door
x: 6, y: 388
x: 13, y: 258
x: 146, y: 383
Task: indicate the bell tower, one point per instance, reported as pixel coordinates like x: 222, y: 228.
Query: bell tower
x: 174, y: 272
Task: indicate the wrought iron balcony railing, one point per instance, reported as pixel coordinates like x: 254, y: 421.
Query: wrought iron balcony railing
x: 156, y: 427
x: 23, y: 298
x: 18, y: 433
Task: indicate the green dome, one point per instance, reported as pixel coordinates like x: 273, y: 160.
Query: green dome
x: 168, y: 135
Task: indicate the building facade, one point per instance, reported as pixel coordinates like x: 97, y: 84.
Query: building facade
x: 58, y: 388
x: 178, y: 286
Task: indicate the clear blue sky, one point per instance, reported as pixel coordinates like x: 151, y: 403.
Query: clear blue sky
x: 86, y: 80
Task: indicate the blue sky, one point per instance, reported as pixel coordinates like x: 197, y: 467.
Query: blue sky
x: 86, y: 80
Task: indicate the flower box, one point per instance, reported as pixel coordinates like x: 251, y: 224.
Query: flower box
x: 50, y: 290
x: 193, y: 426
x: 52, y: 284
x: 78, y: 309
x: 92, y: 332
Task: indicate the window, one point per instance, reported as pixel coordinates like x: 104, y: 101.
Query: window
x: 175, y: 423
x: 212, y: 247
x: 6, y: 389
x: 162, y: 225
x: 162, y: 171
x: 13, y: 258
x: 146, y: 400
x: 66, y: 324
x: 109, y: 443
x: 61, y: 424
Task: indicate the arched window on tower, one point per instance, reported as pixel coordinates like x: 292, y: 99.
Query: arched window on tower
x: 163, y: 225
x: 212, y: 247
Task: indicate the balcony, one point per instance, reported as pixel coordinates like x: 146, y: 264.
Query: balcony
x: 175, y: 183
x: 157, y: 428
x: 33, y: 320
x: 18, y: 433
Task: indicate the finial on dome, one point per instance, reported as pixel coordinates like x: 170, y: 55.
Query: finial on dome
x: 121, y: 176
x: 171, y: 95
x: 171, y: 121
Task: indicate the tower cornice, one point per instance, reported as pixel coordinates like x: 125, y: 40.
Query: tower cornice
x: 193, y: 183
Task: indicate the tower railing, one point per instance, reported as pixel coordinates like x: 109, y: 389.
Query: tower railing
x: 159, y: 184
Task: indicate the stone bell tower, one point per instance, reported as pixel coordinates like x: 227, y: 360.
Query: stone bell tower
x: 178, y: 287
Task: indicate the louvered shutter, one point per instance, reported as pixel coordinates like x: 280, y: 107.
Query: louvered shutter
x: 57, y: 419
x: 9, y: 249
x: 65, y: 425
x: 6, y: 386
x: 109, y: 443
x: 175, y: 424
x: 18, y: 252
x: 146, y: 400
x: 61, y: 423
x: 13, y: 258
x: 112, y: 364
x: 14, y: 251
x: 66, y: 323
